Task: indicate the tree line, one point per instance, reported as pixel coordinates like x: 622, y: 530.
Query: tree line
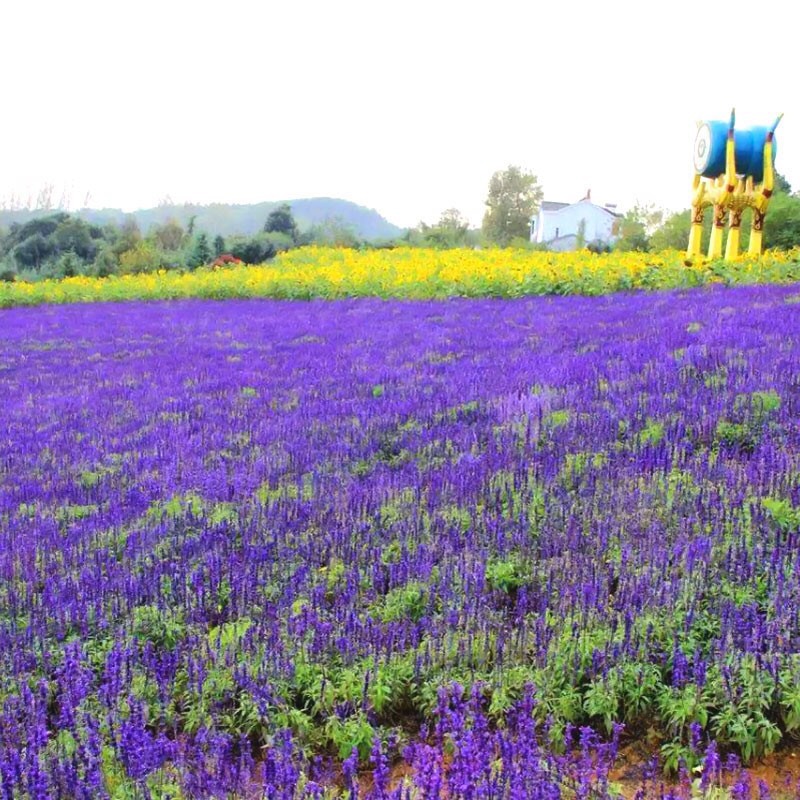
x: 62, y: 245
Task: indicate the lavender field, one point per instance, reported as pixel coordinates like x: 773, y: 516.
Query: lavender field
x: 266, y: 549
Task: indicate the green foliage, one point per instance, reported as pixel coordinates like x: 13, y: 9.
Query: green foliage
x: 557, y: 419
x: 201, y: 252
x: 170, y: 236
x: 761, y: 404
x: 580, y: 237
x: 598, y: 246
x: 513, y: 198
x: 674, y: 753
x: 224, y: 638
x: 636, y: 226
x: 679, y: 708
x: 743, y: 720
x: 144, y: 256
x: 673, y: 233
x: 737, y: 435
x: 280, y: 220
x: 404, y: 602
x: 332, y: 232
x: 34, y: 251
x: 507, y: 574
x: 782, y: 513
x: 158, y: 627
x: 75, y: 512
x: 782, y: 225
x: 177, y: 507
x: 652, y: 433
x: 126, y: 236
x: 254, y: 250
x: 105, y: 263
x: 452, y: 230
x: 601, y: 700
x: 352, y: 733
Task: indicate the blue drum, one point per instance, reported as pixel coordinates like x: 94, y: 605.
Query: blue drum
x: 709, y: 150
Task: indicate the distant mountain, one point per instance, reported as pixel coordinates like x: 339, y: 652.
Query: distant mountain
x: 227, y: 219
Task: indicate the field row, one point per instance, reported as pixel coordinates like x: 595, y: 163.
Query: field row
x: 267, y: 544
x: 414, y: 273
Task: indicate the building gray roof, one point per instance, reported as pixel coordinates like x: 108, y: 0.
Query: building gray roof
x: 549, y: 205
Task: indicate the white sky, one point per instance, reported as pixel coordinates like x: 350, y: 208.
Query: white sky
x: 407, y: 107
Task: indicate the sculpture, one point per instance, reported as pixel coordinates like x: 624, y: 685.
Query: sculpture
x: 734, y: 170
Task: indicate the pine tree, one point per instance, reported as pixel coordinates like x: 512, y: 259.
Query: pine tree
x: 201, y: 253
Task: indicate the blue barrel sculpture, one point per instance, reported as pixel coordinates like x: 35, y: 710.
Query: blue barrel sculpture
x: 709, y: 149
x: 734, y: 170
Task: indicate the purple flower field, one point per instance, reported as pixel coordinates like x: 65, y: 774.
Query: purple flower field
x: 265, y: 549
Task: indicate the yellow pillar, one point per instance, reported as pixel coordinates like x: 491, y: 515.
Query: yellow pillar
x: 756, y: 232
x: 696, y: 232
x: 734, y: 232
x: 717, y: 232
x: 761, y: 199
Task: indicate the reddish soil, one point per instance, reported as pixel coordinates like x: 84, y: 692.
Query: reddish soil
x: 779, y: 771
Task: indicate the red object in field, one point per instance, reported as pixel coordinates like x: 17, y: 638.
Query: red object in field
x: 225, y: 260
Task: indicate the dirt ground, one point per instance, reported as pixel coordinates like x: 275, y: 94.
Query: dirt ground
x: 779, y: 771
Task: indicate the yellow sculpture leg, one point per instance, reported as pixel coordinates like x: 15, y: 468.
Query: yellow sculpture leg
x: 755, y: 243
x: 696, y: 231
x: 756, y: 232
x: 695, y: 240
x: 717, y: 233
x: 734, y: 233
x: 732, y: 245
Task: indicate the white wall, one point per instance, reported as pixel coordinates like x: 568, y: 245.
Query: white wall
x: 565, y: 221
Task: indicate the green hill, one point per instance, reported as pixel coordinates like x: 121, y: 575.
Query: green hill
x: 228, y: 219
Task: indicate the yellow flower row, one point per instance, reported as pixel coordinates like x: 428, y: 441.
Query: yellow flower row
x: 415, y: 273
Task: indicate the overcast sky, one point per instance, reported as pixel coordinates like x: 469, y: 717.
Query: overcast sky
x: 406, y: 107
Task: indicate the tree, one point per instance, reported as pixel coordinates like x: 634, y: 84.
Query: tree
x: 219, y: 245
x: 280, y: 220
x: 128, y: 235
x: 514, y: 197
x: 201, y: 252
x: 252, y: 250
x: 781, y: 184
x: 636, y: 227
x: 333, y: 232
x: 170, y: 236
x: 782, y: 225
x: 34, y: 250
x: 451, y: 230
x: 674, y: 232
x: 144, y: 256
x: 580, y: 238
x: 74, y: 235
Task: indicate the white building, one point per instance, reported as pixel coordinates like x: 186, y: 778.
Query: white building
x: 558, y: 225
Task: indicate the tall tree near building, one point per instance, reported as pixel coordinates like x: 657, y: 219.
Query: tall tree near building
x: 514, y: 197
